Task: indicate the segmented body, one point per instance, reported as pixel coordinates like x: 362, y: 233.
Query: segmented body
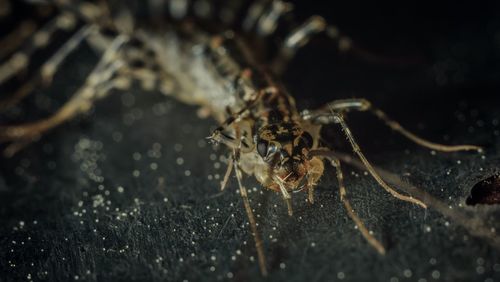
x: 228, y: 80
x: 205, y: 61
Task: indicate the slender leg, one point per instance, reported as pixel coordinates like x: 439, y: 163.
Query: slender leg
x: 220, y: 137
x: 81, y: 102
x: 14, y: 39
x: 315, y: 25
x: 301, y: 35
x: 243, y: 192
x: 268, y: 22
x: 111, y: 72
x: 227, y: 174
x: 350, y: 211
x: 364, y: 105
x: 337, y: 118
x: 20, y: 60
x: 298, y: 38
x: 124, y: 21
x: 251, y: 220
x: 19, y: 94
x: 310, y: 195
x: 286, y: 196
x: 89, y: 12
x: 313, y: 175
x: 236, y: 142
x: 254, y: 13
x: 48, y: 68
x: 233, y: 158
x: 22, y: 135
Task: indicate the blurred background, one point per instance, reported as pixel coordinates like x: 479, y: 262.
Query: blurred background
x: 130, y: 191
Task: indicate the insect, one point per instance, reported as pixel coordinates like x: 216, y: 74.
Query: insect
x: 201, y: 53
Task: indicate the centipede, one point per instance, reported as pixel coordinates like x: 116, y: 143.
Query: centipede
x: 226, y: 57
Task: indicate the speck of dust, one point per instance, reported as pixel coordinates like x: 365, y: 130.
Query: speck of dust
x: 178, y: 147
x: 136, y: 156
x: 407, y: 273
x: 480, y: 269
x: 202, y: 143
x: 340, y: 275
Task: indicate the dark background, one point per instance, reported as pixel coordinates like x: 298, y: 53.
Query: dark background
x: 63, y: 215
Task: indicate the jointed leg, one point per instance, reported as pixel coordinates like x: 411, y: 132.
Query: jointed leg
x: 48, y: 68
x: 268, y: 22
x: 315, y: 25
x: 301, y: 35
x: 234, y: 158
x: 364, y: 105
x: 310, y: 195
x: 251, y: 220
x: 81, y: 102
x: 21, y: 135
x: 227, y: 174
x: 20, y: 93
x: 16, y: 37
x: 220, y: 137
x: 233, y: 162
x: 254, y: 13
x: 87, y: 11
x: 286, y: 196
x: 298, y: 38
x: 112, y: 71
x: 20, y: 60
x: 350, y: 211
x: 420, y: 141
x: 337, y: 118
x: 314, y: 173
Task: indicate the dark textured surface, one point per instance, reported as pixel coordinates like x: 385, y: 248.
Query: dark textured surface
x: 131, y: 193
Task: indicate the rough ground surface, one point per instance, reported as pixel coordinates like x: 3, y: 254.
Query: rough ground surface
x: 132, y: 192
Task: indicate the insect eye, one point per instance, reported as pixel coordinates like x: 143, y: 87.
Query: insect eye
x: 262, y: 148
x: 307, y: 138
